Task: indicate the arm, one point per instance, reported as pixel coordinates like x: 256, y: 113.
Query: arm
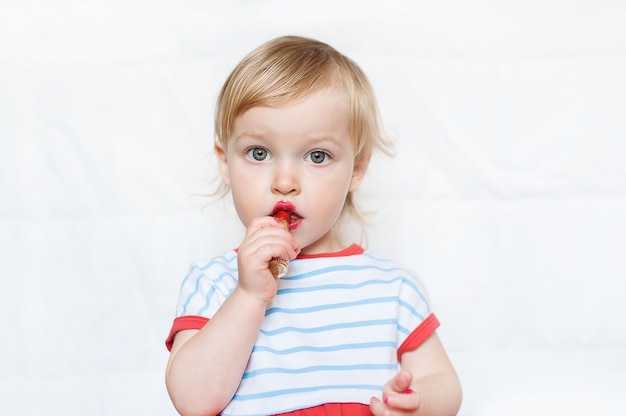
x: 426, y: 385
x: 206, y: 366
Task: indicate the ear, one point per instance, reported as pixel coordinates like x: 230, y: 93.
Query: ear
x: 358, y: 172
x: 222, y: 160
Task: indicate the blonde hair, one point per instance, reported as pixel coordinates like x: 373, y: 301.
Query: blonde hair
x: 285, y: 69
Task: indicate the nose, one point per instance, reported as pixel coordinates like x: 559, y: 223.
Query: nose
x: 286, y: 179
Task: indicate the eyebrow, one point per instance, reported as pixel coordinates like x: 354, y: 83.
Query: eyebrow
x: 247, y: 135
x: 262, y: 136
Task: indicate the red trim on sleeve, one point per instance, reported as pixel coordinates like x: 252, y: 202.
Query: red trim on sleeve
x: 182, y: 323
x: 419, y: 335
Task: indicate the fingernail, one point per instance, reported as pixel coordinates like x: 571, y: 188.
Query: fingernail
x: 408, y: 391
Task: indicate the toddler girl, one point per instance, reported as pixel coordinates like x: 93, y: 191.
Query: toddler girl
x: 344, y: 332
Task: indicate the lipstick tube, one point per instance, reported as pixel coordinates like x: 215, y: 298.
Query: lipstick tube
x: 279, y: 266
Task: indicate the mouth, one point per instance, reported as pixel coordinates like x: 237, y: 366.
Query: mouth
x: 288, y: 208
x: 293, y: 217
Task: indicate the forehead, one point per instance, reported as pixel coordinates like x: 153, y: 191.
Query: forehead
x: 324, y: 112
x: 319, y: 117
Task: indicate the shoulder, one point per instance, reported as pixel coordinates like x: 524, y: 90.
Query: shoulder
x: 207, y: 283
x: 388, y: 264
x: 221, y: 268
x: 356, y: 257
x: 393, y: 269
x: 226, y: 260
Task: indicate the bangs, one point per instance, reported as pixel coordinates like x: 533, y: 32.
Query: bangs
x: 277, y: 73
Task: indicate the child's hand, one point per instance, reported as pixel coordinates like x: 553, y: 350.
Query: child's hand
x: 398, y: 398
x: 265, y: 238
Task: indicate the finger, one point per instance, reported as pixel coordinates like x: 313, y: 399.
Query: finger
x: 400, y: 382
x: 397, y: 392
x: 377, y: 407
x: 266, y: 247
x: 263, y: 234
x: 407, y: 400
x: 263, y: 222
x: 273, y: 226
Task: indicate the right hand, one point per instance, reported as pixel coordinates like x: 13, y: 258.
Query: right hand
x: 265, y: 238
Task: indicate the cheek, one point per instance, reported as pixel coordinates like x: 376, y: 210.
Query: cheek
x: 243, y: 209
x: 332, y: 193
x: 241, y: 179
x: 245, y: 197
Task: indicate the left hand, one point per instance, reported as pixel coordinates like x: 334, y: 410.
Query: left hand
x: 398, y: 398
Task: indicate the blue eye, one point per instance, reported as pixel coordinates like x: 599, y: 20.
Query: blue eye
x: 257, y: 153
x: 318, y: 157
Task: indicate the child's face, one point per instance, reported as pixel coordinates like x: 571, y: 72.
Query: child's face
x: 297, y: 157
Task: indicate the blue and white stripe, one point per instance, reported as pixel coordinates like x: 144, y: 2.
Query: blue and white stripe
x: 330, y: 335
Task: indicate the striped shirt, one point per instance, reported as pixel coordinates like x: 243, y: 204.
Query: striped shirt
x: 334, y: 332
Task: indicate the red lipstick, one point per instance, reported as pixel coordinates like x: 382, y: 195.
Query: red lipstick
x: 278, y: 266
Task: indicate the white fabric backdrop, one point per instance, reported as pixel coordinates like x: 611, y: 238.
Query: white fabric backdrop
x: 508, y: 192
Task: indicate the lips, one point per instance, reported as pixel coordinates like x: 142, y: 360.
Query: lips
x: 284, y: 206
x: 289, y: 208
x: 292, y: 215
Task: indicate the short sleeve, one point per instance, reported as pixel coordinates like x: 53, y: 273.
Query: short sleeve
x: 207, y: 285
x: 415, y: 319
x: 204, y: 289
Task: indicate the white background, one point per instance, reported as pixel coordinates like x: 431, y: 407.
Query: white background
x: 507, y: 194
